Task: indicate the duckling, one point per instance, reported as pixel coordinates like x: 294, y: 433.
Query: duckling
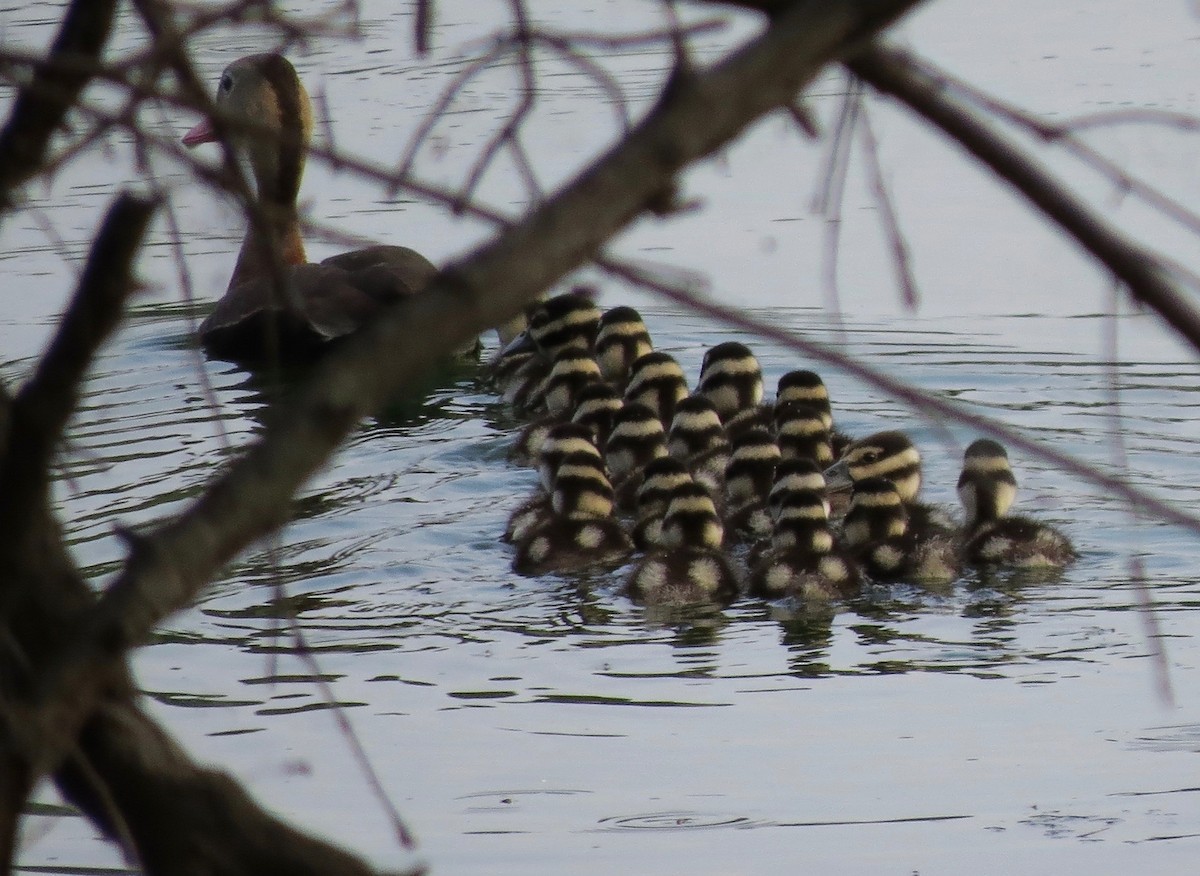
x: 891, y: 455
x: 807, y: 387
x: 698, y: 439
x: 598, y: 405
x: 987, y: 488
x: 562, y: 322
x: 803, y: 561
x: 637, y: 437
x: 656, y: 381
x: 662, y: 477
x: 690, y: 566
x: 621, y: 340
x: 731, y: 378
x: 571, y: 370
x: 748, y: 480
x: 801, y: 432
x: 560, y: 441
x: 878, y: 535
x: 792, y: 475
x: 581, y: 532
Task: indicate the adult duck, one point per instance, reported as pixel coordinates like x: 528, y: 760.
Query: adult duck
x: 268, y: 119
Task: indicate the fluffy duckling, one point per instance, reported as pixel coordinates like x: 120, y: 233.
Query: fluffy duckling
x: 792, y: 475
x: 560, y: 442
x: 748, y: 479
x: 891, y: 455
x: 597, y: 408
x: 690, y: 567
x: 581, y: 531
x: 559, y: 323
x: 878, y: 535
x: 637, y: 437
x: 662, y: 478
x: 987, y: 488
x: 698, y: 439
x: 621, y: 340
x: 571, y: 370
x: 803, y: 561
x: 807, y: 387
x: 656, y: 380
x: 731, y: 378
x: 801, y: 432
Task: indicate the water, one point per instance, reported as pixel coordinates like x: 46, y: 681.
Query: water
x: 995, y: 726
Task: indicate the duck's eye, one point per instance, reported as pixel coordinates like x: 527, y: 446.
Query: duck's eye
x: 226, y: 83
x: 869, y: 456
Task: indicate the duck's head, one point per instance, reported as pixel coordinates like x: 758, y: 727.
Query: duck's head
x: 889, y: 455
x: 731, y: 377
x: 266, y: 115
x: 987, y: 486
x: 808, y: 388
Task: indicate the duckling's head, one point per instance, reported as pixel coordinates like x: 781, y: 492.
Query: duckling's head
x: 695, y: 427
x: 691, y: 520
x: 731, y: 378
x: 987, y: 486
x: 656, y: 380
x: 889, y: 455
x: 637, y: 437
x: 265, y: 113
x: 808, y: 388
x: 564, y: 321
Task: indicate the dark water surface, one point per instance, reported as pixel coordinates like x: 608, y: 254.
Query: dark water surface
x: 547, y: 725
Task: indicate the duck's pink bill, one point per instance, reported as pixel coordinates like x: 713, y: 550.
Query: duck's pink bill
x: 202, y: 133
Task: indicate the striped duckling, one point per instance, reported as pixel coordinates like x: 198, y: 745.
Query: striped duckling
x: 622, y: 339
x: 891, y: 455
x: 807, y: 387
x: 656, y: 380
x: 732, y: 379
x: 581, y: 531
x: 802, y: 432
x: 697, y: 439
x: 637, y: 437
x: 563, y: 322
x: 804, y: 561
x: 877, y: 533
x: 748, y: 480
x: 987, y: 488
x: 558, y: 395
x: 560, y: 441
x: 597, y: 408
x: 690, y: 566
x: 661, y: 478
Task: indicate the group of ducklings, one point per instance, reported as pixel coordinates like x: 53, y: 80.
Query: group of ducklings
x: 701, y: 482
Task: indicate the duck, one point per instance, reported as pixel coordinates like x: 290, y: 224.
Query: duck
x: 697, y: 439
x: 656, y: 380
x: 561, y: 441
x: 597, y: 407
x: 732, y: 379
x: 804, y: 561
x: 987, y: 488
x: 661, y: 478
x: 878, y: 535
x: 554, y: 325
x: 806, y: 387
x: 893, y: 456
x: 792, y: 475
x: 689, y: 567
x: 801, y: 432
x: 580, y: 532
x: 748, y: 480
x: 621, y: 339
x: 255, y: 321
x: 571, y: 369
x: 637, y: 437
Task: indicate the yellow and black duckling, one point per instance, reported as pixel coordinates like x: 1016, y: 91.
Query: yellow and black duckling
x: 697, y: 438
x: 987, y: 488
x: 878, y: 535
x: 807, y: 387
x: 637, y: 437
x: 597, y: 408
x: 731, y: 378
x: 803, y: 561
x: 802, y: 433
x: 748, y: 479
x: 621, y: 340
x: 656, y: 380
x: 661, y: 478
x: 559, y: 323
x: 792, y: 475
x: 580, y: 532
x: 561, y: 441
x: 690, y: 567
x: 557, y: 397
x: 893, y: 456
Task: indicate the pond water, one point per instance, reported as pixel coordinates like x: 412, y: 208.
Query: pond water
x: 994, y: 726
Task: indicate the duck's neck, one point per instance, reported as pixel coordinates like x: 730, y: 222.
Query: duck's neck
x: 272, y: 238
